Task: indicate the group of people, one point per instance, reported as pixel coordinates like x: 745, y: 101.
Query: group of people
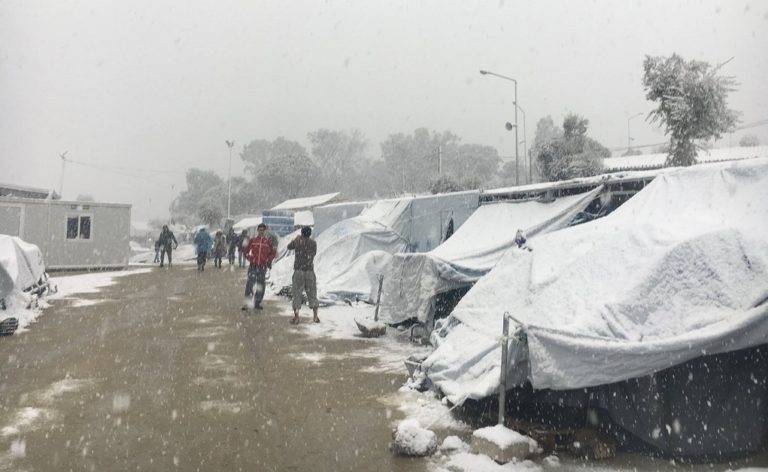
x: 260, y: 252
x: 219, y: 246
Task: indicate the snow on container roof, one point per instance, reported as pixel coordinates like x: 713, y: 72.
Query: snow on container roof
x: 307, y: 202
x: 246, y: 223
x: 677, y: 271
x: 651, y: 161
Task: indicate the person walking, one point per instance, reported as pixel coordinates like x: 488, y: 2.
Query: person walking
x: 219, y: 248
x: 157, y: 251
x: 304, y: 273
x: 167, y: 244
x: 232, y: 239
x: 260, y: 252
x: 242, y: 241
x: 202, y: 247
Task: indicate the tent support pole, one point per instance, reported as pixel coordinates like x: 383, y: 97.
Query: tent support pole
x: 503, y: 375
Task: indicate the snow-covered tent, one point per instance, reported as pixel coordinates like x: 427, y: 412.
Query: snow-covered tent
x: 21, y: 265
x: 376, y: 229
x: 660, y: 306
x: 414, y: 280
x: 387, y: 226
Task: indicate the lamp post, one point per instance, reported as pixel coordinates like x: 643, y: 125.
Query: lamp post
x: 629, y: 137
x: 230, y: 145
x: 525, y: 145
x: 517, y: 159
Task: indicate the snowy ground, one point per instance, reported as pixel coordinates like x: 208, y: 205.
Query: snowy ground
x: 389, y: 352
x: 68, y: 287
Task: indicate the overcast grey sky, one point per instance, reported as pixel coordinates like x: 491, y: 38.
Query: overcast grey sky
x: 160, y: 85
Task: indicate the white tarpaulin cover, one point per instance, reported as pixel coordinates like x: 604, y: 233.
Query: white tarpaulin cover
x: 378, y: 228
x: 677, y: 272
x: 21, y: 264
x: 413, y: 279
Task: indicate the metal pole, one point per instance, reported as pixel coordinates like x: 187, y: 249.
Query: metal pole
x: 378, y: 298
x: 230, y: 144
x: 525, y: 145
x: 629, y: 138
x: 517, y: 165
x: 439, y: 161
x: 503, y: 374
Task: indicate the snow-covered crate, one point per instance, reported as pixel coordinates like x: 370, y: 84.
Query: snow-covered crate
x: 503, y: 444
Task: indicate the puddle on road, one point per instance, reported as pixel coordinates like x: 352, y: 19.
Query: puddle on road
x: 81, y: 302
x: 48, y: 395
x: 202, y: 319
x: 229, y: 380
x: 219, y: 363
x: 209, y: 332
x: 28, y: 419
x: 220, y: 406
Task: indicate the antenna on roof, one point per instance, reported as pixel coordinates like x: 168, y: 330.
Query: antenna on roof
x: 63, y: 157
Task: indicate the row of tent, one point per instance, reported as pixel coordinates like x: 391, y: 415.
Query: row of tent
x: 641, y: 307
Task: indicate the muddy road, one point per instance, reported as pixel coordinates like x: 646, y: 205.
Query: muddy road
x: 162, y: 371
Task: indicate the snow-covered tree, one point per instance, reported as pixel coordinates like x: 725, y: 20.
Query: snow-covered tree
x: 573, y: 154
x: 336, y: 153
x: 749, y: 140
x: 288, y: 177
x: 260, y: 152
x: 691, y: 98
x: 199, y: 184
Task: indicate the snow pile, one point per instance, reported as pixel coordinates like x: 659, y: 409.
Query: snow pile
x: 414, y: 279
x: 410, y: 439
x: 679, y: 270
x: 378, y: 229
x: 506, y: 438
x: 454, y: 444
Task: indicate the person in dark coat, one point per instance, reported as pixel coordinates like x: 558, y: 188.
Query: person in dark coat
x: 157, y: 250
x: 167, y: 243
x: 232, y: 239
x: 304, y: 273
x: 260, y: 253
x: 242, y: 241
x: 219, y: 249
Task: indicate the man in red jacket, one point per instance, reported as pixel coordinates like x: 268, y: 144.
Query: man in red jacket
x: 260, y: 252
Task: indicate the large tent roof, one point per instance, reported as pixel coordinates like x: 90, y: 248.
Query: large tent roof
x: 471, y: 252
x: 678, y: 271
x: 305, y: 203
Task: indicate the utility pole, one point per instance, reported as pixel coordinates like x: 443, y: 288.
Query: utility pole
x: 230, y: 145
x: 439, y: 161
x: 629, y: 137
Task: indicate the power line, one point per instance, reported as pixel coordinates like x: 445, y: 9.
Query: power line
x: 132, y: 169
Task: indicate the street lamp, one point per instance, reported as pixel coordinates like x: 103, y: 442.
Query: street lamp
x: 517, y: 160
x: 230, y: 145
x: 525, y: 145
x: 629, y: 138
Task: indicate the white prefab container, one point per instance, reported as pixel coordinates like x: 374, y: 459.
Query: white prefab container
x: 71, y: 235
